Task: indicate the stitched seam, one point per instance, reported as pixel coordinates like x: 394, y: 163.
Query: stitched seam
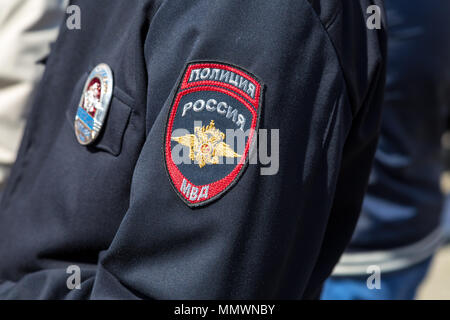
x: 338, y: 57
x: 123, y: 96
x: 333, y: 19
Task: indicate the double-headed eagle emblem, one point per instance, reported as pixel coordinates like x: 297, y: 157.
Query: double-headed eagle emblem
x: 206, y: 145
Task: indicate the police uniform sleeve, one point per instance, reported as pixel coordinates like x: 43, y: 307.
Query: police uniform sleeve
x: 270, y: 236
x: 270, y: 230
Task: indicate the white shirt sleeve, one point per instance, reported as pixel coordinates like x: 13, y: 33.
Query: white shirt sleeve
x: 27, y: 27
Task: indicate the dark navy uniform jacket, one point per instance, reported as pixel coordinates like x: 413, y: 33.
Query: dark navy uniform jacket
x: 110, y: 207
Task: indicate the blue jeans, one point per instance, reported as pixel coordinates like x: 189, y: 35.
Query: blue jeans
x: 397, y: 285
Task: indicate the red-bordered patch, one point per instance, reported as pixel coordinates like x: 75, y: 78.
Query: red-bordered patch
x: 211, y: 125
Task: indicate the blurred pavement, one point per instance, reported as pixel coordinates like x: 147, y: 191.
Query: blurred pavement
x: 437, y: 283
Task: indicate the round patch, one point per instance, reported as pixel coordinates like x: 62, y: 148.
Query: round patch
x: 94, y: 104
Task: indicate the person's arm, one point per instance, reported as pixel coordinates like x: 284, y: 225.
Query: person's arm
x: 263, y: 237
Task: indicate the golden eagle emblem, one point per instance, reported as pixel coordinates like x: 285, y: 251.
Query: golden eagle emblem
x: 206, y: 145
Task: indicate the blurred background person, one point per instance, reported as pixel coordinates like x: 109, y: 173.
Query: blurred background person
x: 399, y: 228
x: 27, y: 27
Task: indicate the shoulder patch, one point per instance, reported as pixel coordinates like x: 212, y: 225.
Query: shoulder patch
x: 211, y: 125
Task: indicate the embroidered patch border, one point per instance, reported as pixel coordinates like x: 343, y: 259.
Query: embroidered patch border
x: 216, y: 78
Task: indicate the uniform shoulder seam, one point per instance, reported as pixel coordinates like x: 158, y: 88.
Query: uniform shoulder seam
x: 326, y: 27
